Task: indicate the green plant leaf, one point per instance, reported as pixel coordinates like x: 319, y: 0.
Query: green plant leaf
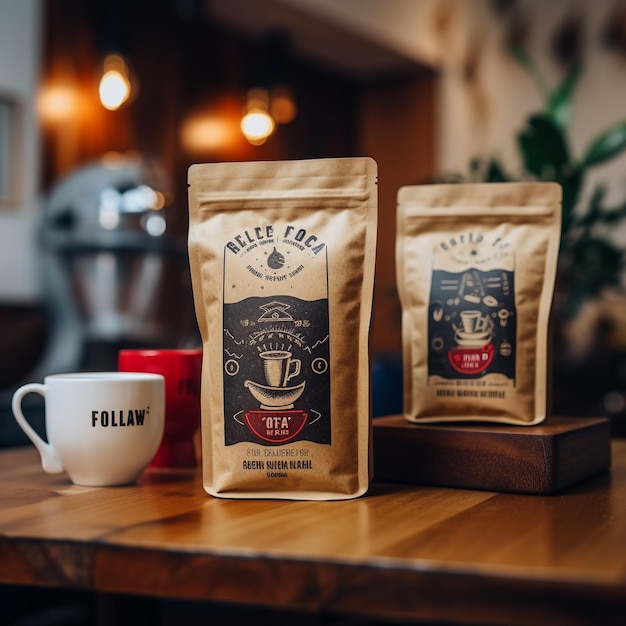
x: 496, y: 173
x: 594, y: 209
x: 606, y: 146
x: 571, y: 181
x: 543, y: 147
x: 598, y: 215
x: 611, y: 216
x: 597, y: 261
x: 476, y: 169
x: 560, y: 101
x: 594, y: 264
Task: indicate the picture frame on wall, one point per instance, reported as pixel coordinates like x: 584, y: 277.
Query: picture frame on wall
x: 9, y: 149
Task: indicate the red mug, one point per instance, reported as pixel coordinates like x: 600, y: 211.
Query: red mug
x: 182, y: 369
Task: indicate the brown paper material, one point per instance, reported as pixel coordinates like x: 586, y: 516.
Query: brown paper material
x: 282, y: 263
x: 476, y: 268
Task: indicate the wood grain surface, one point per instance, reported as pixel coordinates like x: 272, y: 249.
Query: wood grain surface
x: 400, y: 552
x: 541, y: 459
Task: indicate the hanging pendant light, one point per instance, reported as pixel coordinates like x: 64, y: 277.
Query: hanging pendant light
x: 115, y: 84
x: 257, y: 124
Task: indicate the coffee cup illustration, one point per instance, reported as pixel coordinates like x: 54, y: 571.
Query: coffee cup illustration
x: 476, y: 329
x: 473, y: 321
x: 279, y: 367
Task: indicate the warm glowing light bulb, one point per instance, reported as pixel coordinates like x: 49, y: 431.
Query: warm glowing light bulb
x: 206, y: 132
x: 257, y: 125
x: 114, y: 90
x: 114, y: 85
x: 57, y: 103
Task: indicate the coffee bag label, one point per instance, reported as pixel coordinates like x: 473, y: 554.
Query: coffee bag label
x: 276, y: 358
x: 472, y: 314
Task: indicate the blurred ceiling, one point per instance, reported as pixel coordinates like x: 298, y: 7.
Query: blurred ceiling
x: 314, y: 35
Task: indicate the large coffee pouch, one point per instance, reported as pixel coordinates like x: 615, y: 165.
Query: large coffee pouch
x: 476, y: 266
x: 282, y: 264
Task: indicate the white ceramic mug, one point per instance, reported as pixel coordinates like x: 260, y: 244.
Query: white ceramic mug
x: 103, y: 428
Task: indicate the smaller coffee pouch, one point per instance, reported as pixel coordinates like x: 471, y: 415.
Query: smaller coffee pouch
x: 476, y: 266
x: 282, y: 265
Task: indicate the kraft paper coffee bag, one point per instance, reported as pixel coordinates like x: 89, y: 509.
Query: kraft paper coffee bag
x: 282, y: 265
x: 476, y: 266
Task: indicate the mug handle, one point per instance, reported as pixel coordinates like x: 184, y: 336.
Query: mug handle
x: 296, y: 369
x: 49, y: 459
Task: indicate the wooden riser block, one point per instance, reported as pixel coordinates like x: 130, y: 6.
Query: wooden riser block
x: 541, y: 459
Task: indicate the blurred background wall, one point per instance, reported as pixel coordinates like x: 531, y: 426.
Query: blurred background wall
x: 20, y: 63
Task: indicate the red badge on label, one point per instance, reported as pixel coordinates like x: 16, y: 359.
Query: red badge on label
x: 276, y: 426
x: 471, y: 360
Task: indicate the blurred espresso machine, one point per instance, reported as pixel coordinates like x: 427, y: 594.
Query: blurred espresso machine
x: 114, y: 277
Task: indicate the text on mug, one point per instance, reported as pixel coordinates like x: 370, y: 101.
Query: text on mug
x: 118, y: 418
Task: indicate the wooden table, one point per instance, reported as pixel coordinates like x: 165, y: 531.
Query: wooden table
x: 401, y: 552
